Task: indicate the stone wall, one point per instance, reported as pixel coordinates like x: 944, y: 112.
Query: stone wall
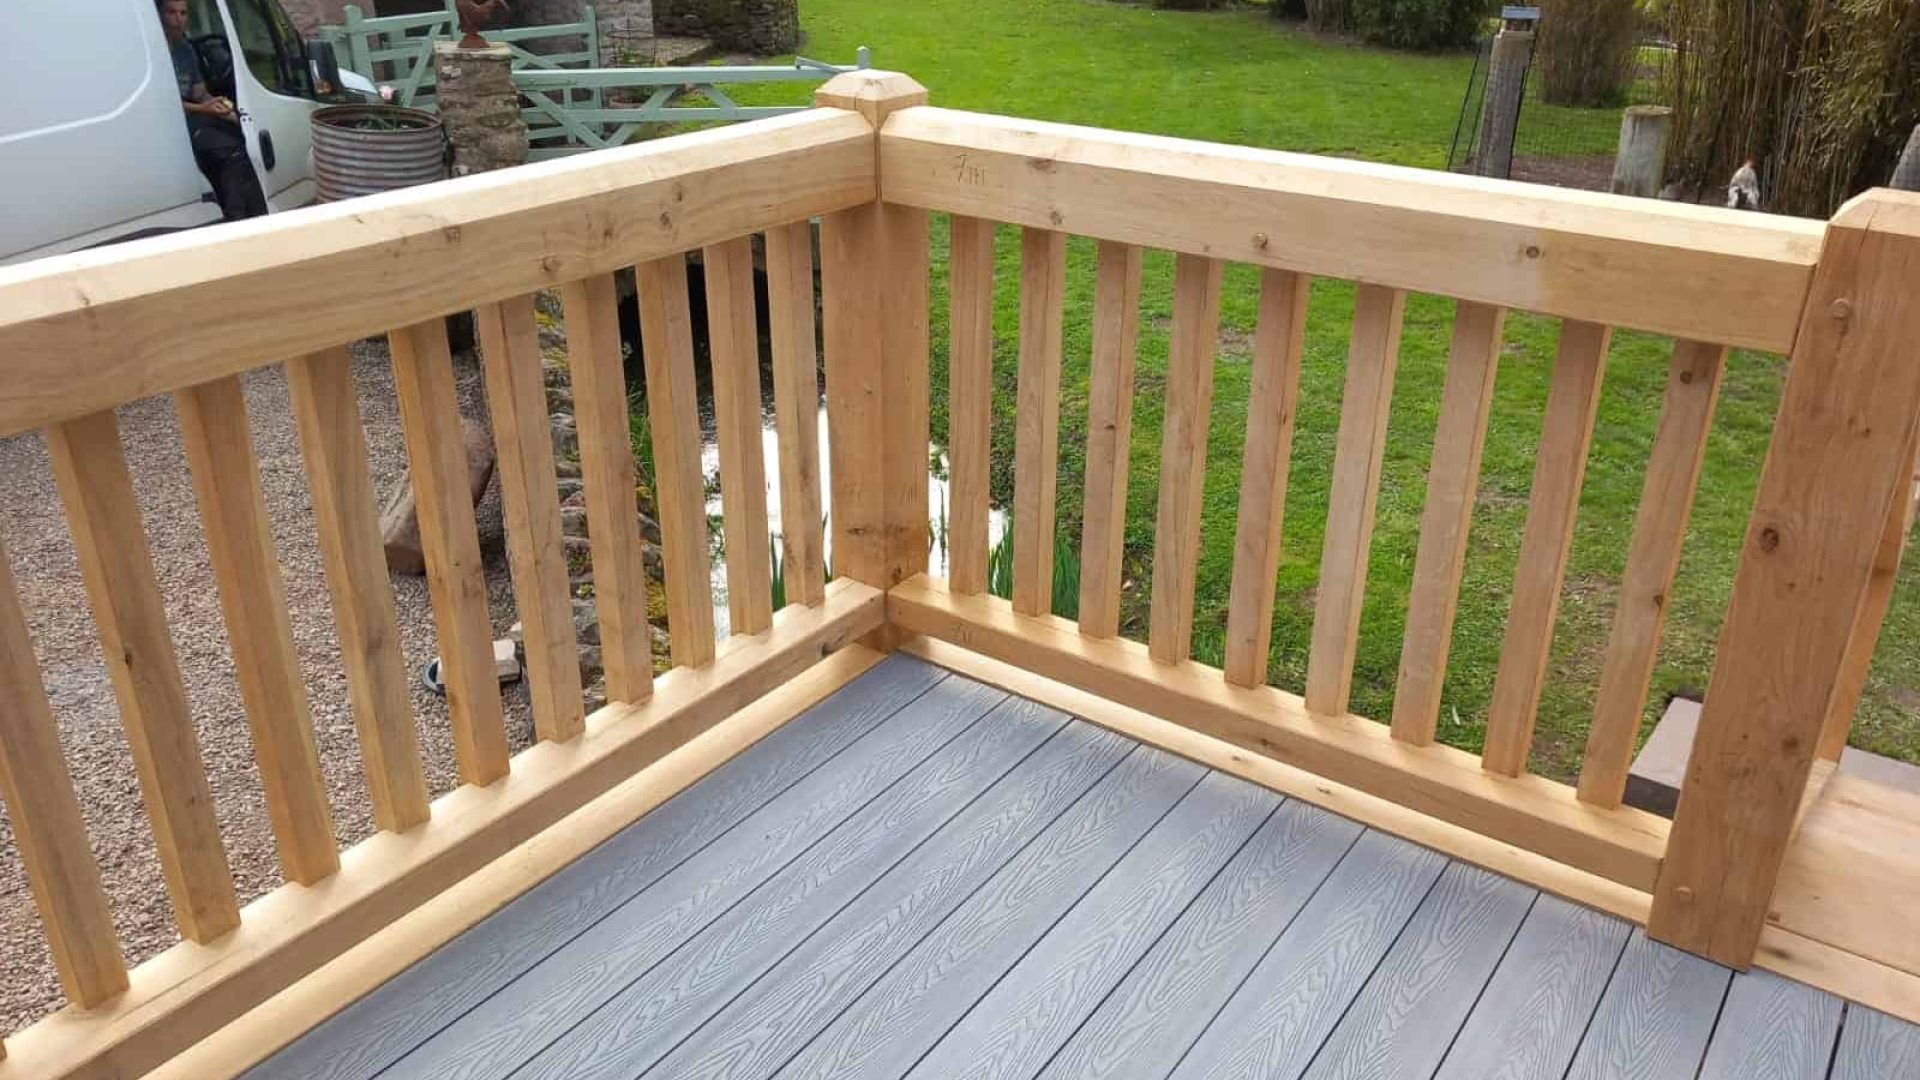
x: 763, y: 27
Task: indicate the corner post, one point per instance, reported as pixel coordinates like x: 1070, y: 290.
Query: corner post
x: 1840, y: 456
x: 874, y: 294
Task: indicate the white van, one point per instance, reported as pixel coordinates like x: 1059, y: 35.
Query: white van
x: 93, y: 141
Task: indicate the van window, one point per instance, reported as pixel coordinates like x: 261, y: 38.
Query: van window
x: 271, y: 46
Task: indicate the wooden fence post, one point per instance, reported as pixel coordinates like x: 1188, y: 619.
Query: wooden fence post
x: 1838, y: 461
x: 1641, y: 162
x: 876, y: 358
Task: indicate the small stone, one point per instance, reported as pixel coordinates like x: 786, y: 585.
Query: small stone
x: 586, y: 622
x: 595, y: 694
x: 566, y: 439
x: 517, y: 633
x: 506, y: 660
x: 573, y: 521
x: 566, y: 469
x: 649, y: 529
x: 592, y: 666
x: 575, y: 498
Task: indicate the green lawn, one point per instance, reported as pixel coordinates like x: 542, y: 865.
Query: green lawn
x: 1241, y: 77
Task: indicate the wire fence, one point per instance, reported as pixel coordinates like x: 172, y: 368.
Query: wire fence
x: 1551, y: 144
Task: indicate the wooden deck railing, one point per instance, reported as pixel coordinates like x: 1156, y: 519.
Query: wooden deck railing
x: 187, y: 315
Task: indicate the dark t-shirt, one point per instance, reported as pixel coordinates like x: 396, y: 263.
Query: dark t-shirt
x: 186, y: 67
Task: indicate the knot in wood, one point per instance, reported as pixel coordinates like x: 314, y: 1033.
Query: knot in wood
x: 1533, y: 251
x: 1840, y: 310
x: 1769, y: 538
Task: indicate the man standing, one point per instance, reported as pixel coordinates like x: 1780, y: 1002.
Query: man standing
x: 219, y: 147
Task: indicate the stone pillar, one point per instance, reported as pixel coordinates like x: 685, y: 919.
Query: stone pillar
x: 1906, y: 175
x: 1641, y: 162
x: 480, y: 107
x: 1500, y: 107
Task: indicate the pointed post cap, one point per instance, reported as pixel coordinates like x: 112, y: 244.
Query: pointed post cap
x: 873, y: 94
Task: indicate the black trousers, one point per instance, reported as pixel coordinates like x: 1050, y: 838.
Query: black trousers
x: 221, y: 152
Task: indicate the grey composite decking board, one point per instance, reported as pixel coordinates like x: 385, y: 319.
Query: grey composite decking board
x: 1655, y: 1018
x: 658, y: 1010
x: 955, y: 939
x: 1875, y: 1046
x: 369, y: 1035
x: 920, y: 872
x: 1406, y: 1017
x: 1772, y: 1029
x: 757, y: 885
x: 1013, y: 1031
x: 922, y: 996
x: 893, y: 1018
x: 1160, y: 1008
x: 1529, y: 1021
x: 1271, y: 1026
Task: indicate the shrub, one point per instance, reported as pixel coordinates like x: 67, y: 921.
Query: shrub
x: 1418, y: 24
x: 1585, y: 51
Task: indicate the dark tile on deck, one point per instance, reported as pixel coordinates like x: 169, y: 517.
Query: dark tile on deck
x: 921, y: 877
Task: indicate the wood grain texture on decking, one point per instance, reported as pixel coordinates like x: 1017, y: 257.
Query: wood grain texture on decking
x: 390, y: 1022
x: 925, y: 877
x: 943, y: 912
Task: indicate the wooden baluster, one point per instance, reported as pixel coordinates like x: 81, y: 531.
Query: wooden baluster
x: 906, y: 263
x: 1278, y: 344
x: 1659, y: 529
x: 1372, y: 357
x: 734, y: 339
x: 530, y: 507
x: 608, y: 475
x: 796, y: 407
x: 456, y: 582
x: 969, y: 402
x: 874, y: 269
x: 1043, y: 285
x: 1183, y: 455
x: 115, y: 563
x: 347, y: 519
x: 1116, y: 339
x: 1841, y: 454
x: 679, y: 489
x: 1866, y: 628
x: 45, y: 815
x: 233, y: 513
x: 1559, y: 466
x: 1465, y: 403
x: 850, y: 297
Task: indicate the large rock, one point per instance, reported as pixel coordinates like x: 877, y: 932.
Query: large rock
x: 400, y: 525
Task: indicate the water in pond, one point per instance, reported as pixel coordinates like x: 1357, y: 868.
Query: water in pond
x: 770, y: 455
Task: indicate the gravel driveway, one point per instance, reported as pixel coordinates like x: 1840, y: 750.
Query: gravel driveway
x: 34, y: 529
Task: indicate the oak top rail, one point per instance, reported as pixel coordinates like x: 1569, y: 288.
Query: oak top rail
x: 88, y: 331
x: 1686, y: 271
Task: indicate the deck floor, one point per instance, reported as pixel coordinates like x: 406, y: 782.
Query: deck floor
x: 923, y: 877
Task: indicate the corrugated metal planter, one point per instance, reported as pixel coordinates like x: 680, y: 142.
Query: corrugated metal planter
x: 361, y: 149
